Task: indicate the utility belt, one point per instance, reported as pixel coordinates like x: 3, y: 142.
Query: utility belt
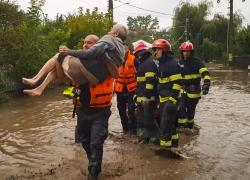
x: 193, y: 91
x: 74, y: 93
x: 130, y: 87
x: 91, y: 111
x: 192, y: 88
x: 100, y: 96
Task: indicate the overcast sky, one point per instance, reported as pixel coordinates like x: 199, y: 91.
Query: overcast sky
x: 121, y: 11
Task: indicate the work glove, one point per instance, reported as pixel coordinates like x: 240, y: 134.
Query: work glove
x: 170, y: 104
x: 145, y: 100
x: 181, y: 101
x: 205, y: 89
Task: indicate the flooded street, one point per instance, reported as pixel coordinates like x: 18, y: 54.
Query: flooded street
x: 37, y: 139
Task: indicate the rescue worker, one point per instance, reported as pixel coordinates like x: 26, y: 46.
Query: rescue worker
x: 93, y: 116
x: 125, y: 87
x: 192, y: 70
x: 169, y: 86
x: 92, y: 106
x: 88, y: 42
x: 146, y: 94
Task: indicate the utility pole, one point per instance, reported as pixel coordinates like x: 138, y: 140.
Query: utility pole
x: 231, y: 26
x: 111, y: 9
x: 230, y: 29
x: 187, y: 33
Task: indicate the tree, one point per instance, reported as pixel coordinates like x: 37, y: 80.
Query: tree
x: 35, y: 11
x: 208, y: 47
x: 10, y: 15
x: 190, y: 18
x: 242, y: 41
x: 142, y: 23
x: 83, y: 23
x: 190, y: 21
x: 142, y: 27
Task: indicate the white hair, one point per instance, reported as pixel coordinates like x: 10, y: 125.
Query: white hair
x: 121, y: 30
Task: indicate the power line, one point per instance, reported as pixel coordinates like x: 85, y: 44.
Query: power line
x: 134, y: 13
x: 129, y: 4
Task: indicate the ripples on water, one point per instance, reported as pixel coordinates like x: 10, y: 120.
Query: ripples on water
x: 224, y: 141
x: 35, y: 131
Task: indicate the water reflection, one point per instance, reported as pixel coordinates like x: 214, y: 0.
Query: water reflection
x: 223, y: 145
x: 35, y: 131
x: 232, y: 80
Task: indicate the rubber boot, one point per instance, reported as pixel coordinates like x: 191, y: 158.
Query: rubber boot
x: 182, y: 123
x: 175, y: 140
x: 190, y: 125
x: 77, y: 136
x: 93, y: 172
x: 166, y: 143
x: 154, y: 137
x: 144, y: 137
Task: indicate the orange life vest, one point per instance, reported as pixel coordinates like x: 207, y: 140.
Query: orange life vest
x: 126, y: 77
x: 101, y: 94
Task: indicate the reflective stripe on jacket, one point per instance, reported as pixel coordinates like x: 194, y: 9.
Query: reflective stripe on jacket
x: 192, y: 72
x: 146, y: 80
x: 170, y: 80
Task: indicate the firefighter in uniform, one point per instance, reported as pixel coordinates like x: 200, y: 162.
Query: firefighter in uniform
x: 146, y: 94
x: 169, y: 86
x: 192, y: 71
x: 88, y: 42
x: 125, y: 87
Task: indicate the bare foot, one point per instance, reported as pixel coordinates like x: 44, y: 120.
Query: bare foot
x: 31, y: 82
x: 32, y: 92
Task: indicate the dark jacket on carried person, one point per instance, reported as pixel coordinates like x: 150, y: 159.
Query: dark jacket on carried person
x: 104, y: 58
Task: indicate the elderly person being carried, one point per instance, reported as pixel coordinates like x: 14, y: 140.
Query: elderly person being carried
x: 83, y: 66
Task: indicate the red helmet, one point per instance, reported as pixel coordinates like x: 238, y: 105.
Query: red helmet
x: 163, y: 44
x: 186, y: 46
x: 140, y: 46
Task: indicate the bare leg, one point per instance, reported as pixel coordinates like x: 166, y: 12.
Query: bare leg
x: 39, y: 90
x: 48, y: 66
x: 61, y: 70
x: 76, y: 71
x: 60, y: 74
x: 57, y: 74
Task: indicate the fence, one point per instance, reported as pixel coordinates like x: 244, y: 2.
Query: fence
x: 241, y: 62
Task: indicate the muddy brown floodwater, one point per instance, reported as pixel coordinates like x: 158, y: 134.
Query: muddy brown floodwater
x: 37, y: 140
